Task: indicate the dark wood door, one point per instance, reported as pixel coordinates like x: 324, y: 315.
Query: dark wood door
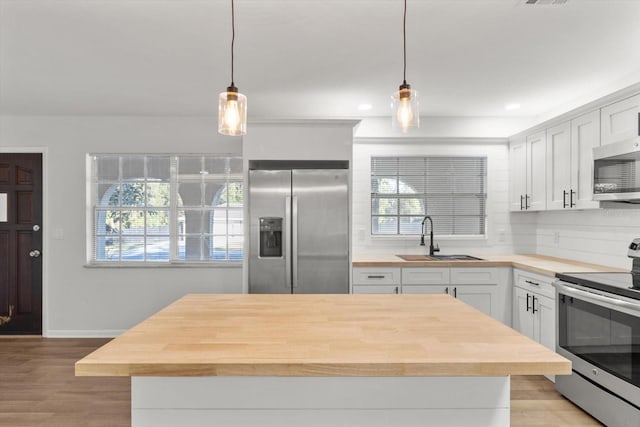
x: 20, y: 243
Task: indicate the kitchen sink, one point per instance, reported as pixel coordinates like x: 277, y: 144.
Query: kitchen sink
x: 455, y: 257
x: 439, y: 258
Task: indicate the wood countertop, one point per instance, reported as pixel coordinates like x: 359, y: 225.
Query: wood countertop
x: 541, y: 264
x: 321, y: 335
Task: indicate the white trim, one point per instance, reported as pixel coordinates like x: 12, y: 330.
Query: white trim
x: 168, y: 264
x: 586, y: 108
x: 83, y: 333
x: 44, y: 226
x: 416, y: 237
x: 429, y: 139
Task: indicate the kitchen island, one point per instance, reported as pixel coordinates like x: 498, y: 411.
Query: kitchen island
x: 318, y: 360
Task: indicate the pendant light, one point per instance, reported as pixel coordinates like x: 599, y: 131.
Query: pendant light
x: 404, y: 102
x: 232, y: 105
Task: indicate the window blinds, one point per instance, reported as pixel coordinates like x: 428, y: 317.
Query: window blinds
x: 451, y: 189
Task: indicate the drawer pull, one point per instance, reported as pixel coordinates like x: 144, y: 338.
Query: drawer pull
x: 375, y: 277
x: 532, y: 283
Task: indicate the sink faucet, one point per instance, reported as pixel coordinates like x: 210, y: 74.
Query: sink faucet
x: 432, y: 249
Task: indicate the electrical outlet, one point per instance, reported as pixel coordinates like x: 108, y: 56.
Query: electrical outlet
x: 556, y: 237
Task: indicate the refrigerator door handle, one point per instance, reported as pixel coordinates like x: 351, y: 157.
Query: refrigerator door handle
x: 287, y: 241
x: 294, y: 240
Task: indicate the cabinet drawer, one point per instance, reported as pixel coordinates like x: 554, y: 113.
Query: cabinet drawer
x: 474, y: 276
x: 376, y: 276
x: 534, y: 282
x: 376, y: 289
x: 425, y: 276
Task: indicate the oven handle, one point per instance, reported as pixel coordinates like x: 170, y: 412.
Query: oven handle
x: 567, y: 290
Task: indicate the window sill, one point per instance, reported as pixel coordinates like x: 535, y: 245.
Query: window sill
x: 133, y: 264
x: 416, y: 237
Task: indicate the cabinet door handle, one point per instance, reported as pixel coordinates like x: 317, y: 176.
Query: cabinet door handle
x: 446, y: 290
x: 526, y: 201
x: 528, y: 301
x: 564, y: 198
x: 571, y: 193
x: 397, y: 290
x: 455, y: 292
x: 375, y: 277
x: 521, y: 204
x: 533, y: 304
x: 532, y: 283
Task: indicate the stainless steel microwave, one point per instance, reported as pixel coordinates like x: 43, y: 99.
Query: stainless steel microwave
x: 616, y: 171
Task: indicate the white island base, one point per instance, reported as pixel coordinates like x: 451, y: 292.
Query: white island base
x: 319, y: 401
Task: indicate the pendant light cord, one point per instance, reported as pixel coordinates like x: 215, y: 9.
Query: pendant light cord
x: 404, y: 42
x: 233, y: 37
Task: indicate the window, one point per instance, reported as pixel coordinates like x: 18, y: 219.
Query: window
x: 452, y: 190
x: 164, y: 208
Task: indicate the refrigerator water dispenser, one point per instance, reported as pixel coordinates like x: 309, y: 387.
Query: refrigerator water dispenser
x: 270, y: 237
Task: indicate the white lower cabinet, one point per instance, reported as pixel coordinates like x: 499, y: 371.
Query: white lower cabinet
x: 534, y: 308
x: 487, y: 289
x: 425, y: 289
x: 534, y: 316
x: 376, y: 280
x: 376, y: 289
x: 480, y: 297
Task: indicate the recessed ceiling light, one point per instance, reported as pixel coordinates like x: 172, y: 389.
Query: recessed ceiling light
x: 512, y: 106
x: 365, y: 107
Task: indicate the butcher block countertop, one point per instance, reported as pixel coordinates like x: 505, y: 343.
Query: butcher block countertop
x: 541, y: 264
x: 321, y: 335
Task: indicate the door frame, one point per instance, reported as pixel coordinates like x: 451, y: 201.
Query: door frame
x: 45, y: 226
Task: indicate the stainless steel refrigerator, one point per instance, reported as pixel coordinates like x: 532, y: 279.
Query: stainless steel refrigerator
x: 299, y: 231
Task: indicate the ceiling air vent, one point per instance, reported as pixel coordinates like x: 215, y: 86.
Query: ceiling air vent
x: 545, y: 2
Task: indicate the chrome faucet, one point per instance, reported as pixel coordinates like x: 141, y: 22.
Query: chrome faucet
x: 432, y: 249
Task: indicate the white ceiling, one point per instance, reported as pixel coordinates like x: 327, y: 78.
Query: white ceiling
x: 310, y: 58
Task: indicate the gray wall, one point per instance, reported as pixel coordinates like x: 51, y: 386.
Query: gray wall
x: 87, y: 301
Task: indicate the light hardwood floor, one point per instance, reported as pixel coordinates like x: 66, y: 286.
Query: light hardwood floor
x: 38, y: 388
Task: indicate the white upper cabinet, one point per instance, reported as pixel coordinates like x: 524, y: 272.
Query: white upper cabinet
x: 620, y: 120
x: 553, y: 168
x: 535, y: 199
x: 585, y: 135
x: 527, y: 160
x: 559, y: 166
x: 518, y: 174
x: 570, y: 162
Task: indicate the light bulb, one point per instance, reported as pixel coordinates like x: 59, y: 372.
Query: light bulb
x: 232, y: 112
x: 404, y: 104
x: 404, y: 113
x: 232, y: 115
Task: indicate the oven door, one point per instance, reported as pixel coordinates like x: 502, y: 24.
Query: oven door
x: 600, y: 334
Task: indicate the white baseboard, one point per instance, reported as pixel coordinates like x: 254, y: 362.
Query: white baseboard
x: 81, y: 333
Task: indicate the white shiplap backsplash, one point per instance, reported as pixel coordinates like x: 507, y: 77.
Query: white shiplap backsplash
x: 506, y: 233
x: 599, y: 236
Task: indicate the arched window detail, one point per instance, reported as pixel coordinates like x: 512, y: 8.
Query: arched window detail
x: 136, y: 197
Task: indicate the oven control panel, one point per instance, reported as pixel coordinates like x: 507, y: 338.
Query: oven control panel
x: 634, y: 249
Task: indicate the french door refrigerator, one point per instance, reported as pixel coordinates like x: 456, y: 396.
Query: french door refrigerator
x: 299, y: 231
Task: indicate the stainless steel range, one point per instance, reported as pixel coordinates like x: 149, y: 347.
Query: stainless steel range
x: 598, y: 321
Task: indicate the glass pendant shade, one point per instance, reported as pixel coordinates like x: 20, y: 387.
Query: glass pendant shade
x: 232, y: 112
x: 404, y: 105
